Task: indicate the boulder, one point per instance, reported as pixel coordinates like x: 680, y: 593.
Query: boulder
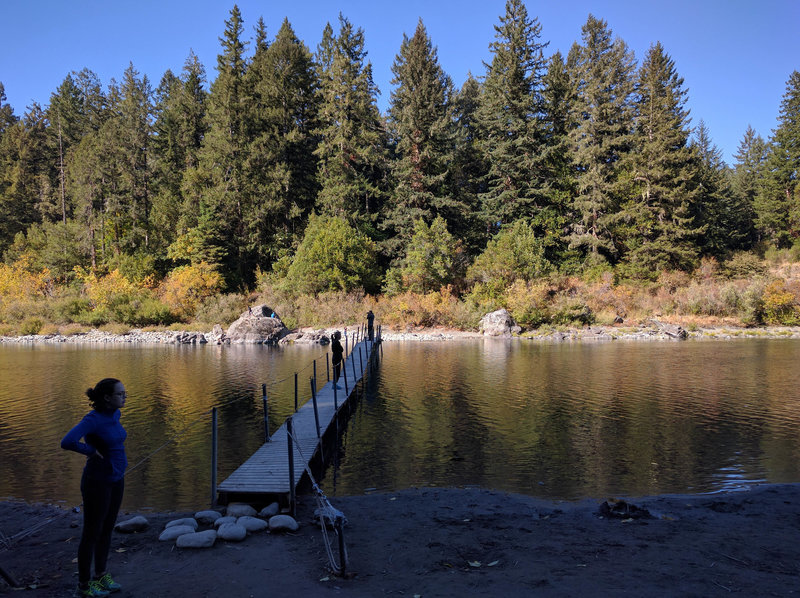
x: 312, y: 337
x: 283, y: 523
x: 175, y: 532
x: 184, y: 521
x: 240, y: 509
x: 232, y: 532
x: 207, y: 517
x: 252, y: 524
x: 499, y: 323
x: 269, y: 511
x: 189, y: 338
x: 204, y: 539
x: 134, y: 524
x: 671, y: 330
x: 257, y: 326
x: 223, y: 520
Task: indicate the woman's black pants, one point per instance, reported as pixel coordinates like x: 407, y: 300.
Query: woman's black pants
x: 101, y: 502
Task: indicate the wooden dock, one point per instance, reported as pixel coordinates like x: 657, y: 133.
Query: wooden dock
x: 265, y: 475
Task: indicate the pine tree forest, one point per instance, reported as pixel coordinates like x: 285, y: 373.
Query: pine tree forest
x: 567, y: 188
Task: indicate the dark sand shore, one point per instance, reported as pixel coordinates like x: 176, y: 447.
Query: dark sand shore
x: 448, y: 542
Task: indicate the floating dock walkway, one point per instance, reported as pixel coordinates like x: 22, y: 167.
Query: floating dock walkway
x: 266, y: 475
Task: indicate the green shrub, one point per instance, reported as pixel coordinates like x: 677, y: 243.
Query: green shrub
x: 30, y: 326
x: 571, y: 311
x: 743, y: 265
x: 94, y: 318
x: 222, y: 309
x: 68, y: 308
x: 752, y: 313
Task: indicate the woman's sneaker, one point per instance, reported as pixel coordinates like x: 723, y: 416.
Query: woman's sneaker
x: 93, y: 590
x: 107, y: 584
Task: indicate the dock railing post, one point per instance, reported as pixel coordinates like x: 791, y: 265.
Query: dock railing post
x: 344, y: 371
x: 315, y: 372
x: 355, y: 377
x: 291, y: 467
x: 328, y: 366
x: 345, y: 342
x: 314, y: 399
x: 266, y: 412
x: 361, y: 363
x: 335, y: 398
x: 213, y: 456
x: 295, y: 392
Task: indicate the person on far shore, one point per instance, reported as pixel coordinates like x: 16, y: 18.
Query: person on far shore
x: 336, y: 358
x: 102, y: 482
x: 370, y: 322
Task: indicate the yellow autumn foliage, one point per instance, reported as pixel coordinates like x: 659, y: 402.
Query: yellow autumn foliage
x: 184, y: 288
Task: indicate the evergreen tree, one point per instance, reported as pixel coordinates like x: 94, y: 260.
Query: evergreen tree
x: 420, y: 117
x: 19, y: 158
x: 132, y: 128
x: 280, y: 167
x: 558, y: 95
x: 745, y: 183
x: 469, y: 167
x: 662, y: 216
x: 7, y: 117
x: 67, y: 126
x: 352, y: 138
x: 510, y: 119
x: 720, y: 214
x: 433, y: 259
x: 602, y: 69
x: 179, y: 130
x: 778, y: 203
x: 217, y: 183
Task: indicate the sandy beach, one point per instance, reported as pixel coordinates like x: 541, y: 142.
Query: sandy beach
x: 447, y: 542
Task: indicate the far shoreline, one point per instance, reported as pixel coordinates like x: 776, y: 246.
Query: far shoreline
x: 652, y: 330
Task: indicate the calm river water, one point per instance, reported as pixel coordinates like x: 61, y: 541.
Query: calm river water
x: 551, y: 420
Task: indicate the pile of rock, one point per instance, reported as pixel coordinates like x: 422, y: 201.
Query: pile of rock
x: 238, y: 521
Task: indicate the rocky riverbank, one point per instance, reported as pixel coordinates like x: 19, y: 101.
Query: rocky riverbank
x: 652, y: 330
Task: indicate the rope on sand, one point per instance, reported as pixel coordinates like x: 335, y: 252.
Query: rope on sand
x: 328, y: 515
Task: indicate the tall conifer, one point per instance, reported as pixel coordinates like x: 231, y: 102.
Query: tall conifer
x: 778, y: 203
x: 420, y: 117
x: 352, y: 137
x: 662, y: 214
x: 280, y: 166
x: 602, y: 67
x: 510, y: 118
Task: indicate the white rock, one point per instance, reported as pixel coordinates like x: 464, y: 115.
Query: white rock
x: 282, y: 523
x: 134, y: 524
x: 224, y: 520
x: 252, y: 524
x: 232, y: 532
x: 238, y: 509
x: 269, y: 511
x: 204, y: 539
x: 175, y: 532
x: 185, y: 521
x: 207, y: 517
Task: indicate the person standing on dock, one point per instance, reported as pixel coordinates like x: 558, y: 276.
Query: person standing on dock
x: 336, y: 358
x: 102, y: 483
x: 370, y: 322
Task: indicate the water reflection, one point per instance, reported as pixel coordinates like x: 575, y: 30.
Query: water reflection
x: 558, y: 421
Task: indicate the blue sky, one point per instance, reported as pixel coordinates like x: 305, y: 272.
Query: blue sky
x: 734, y: 55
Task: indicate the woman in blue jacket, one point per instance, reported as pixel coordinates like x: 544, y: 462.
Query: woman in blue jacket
x: 102, y: 483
